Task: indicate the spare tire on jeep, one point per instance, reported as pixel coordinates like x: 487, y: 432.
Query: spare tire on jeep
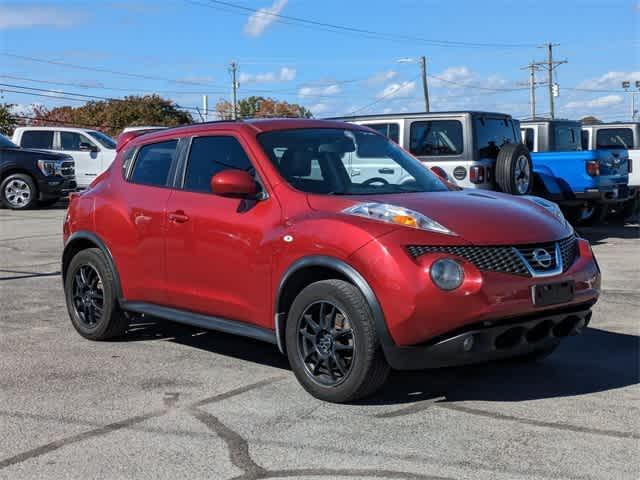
x: 513, y: 169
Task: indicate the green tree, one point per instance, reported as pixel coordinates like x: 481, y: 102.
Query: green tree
x: 261, y: 107
x: 7, y: 120
x: 111, y: 116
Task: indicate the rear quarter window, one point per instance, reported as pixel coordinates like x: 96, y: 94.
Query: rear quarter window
x: 614, y: 138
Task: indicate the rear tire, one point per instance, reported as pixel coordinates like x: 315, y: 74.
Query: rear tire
x: 90, y: 292
x: 18, y: 192
x: 514, y: 172
x: 332, y: 344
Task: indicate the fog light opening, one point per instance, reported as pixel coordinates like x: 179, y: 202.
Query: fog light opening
x: 509, y: 339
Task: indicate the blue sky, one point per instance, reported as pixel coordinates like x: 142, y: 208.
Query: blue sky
x: 182, y: 48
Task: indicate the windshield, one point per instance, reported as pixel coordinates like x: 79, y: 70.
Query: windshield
x: 492, y: 134
x: 6, y: 143
x: 345, y: 162
x: 105, y: 140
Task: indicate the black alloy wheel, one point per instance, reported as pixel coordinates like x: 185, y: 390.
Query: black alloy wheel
x: 88, y: 295
x: 326, y: 343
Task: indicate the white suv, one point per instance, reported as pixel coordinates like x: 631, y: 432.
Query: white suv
x: 93, y: 151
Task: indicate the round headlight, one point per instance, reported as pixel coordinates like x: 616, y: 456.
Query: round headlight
x: 447, y: 274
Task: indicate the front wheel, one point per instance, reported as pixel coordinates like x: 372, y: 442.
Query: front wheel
x: 332, y: 343
x: 18, y: 192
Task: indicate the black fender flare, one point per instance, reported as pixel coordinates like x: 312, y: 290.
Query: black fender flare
x: 84, y: 236
x: 353, y: 276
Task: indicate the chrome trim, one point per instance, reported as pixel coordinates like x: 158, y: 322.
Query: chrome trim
x: 537, y: 274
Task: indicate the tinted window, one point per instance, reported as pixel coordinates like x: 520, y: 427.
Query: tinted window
x: 153, y: 163
x: 322, y: 161
x: 566, y: 138
x: 437, y: 137
x: 210, y: 155
x: 585, y: 139
x: 389, y: 130
x: 614, y: 138
x: 105, y: 140
x: 37, y: 139
x: 492, y: 134
x: 71, y: 141
x: 528, y: 137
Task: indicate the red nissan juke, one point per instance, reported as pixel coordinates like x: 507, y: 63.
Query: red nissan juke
x: 327, y: 240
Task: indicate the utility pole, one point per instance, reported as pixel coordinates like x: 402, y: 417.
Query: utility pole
x: 533, y: 67
x: 626, y: 85
x: 234, y: 89
x: 425, y: 87
x: 551, y: 66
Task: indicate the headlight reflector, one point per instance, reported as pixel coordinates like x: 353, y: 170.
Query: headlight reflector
x: 447, y: 274
x: 385, y: 212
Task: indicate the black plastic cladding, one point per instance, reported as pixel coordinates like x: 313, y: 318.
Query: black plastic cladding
x: 503, y: 259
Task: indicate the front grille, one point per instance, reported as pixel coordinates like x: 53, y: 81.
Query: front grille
x: 514, y: 260
x: 67, y: 169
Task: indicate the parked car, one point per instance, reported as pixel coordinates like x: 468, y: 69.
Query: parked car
x: 476, y: 149
x: 29, y: 178
x: 92, y: 151
x: 258, y: 229
x: 584, y: 182
x: 614, y: 136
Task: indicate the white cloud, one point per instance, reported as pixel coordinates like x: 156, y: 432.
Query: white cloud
x: 610, y: 80
x: 397, y: 90
x: 600, y: 102
x: 260, y: 20
x: 382, y: 77
x: 285, y: 74
x: 38, y: 15
x: 322, y: 90
x: 319, y: 108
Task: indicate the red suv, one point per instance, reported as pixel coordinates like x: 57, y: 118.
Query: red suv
x: 291, y: 232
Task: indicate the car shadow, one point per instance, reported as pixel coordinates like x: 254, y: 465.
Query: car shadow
x: 596, y: 361
x: 615, y: 230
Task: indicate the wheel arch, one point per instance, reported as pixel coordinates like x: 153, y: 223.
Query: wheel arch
x: 82, y: 240
x: 312, y: 269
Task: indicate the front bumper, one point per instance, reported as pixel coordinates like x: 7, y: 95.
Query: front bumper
x: 56, y: 187
x: 488, y: 341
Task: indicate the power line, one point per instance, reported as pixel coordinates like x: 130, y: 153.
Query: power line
x: 384, y: 97
x: 287, y: 19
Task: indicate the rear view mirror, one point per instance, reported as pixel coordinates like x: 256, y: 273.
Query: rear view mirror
x: 234, y: 183
x: 88, y: 147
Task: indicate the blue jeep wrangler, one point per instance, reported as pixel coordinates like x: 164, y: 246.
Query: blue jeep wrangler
x: 585, y: 183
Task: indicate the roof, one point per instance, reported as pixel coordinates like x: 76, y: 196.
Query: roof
x: 254, y: 125
x: 66, y: 129
x: 548, y: 120
x: 418, y: 115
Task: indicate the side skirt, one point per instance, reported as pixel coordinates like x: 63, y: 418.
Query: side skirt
x: 202, y: 321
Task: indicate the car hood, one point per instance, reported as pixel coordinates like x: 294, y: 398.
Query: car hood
x: 30, y: 153
x: 479, y: 217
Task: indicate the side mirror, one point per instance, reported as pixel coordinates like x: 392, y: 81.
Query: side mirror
x: 234, y: 183
x: 88, y: 147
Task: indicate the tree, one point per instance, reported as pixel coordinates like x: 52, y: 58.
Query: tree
x: 261, y: 107
x: 7, y: 120
x: 111, y: 116
x: 590, y: 120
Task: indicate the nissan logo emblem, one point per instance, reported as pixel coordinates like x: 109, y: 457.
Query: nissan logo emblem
x: 542, y: 257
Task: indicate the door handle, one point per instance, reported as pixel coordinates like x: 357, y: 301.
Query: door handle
x: 178, y: 217
x: 388, y: 171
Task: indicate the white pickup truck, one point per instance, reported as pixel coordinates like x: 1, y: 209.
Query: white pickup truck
x: 92, y: 151
x: 618, y: 135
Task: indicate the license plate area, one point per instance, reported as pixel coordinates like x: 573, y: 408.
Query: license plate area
x: 553, y: 293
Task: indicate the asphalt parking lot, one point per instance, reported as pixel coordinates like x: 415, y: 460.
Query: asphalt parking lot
x: 170, y: 401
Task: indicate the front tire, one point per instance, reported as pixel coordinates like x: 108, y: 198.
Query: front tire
x: 90, y: 292
x: 18, y: 192
x: 332, y: 344
x: 514, y: 172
